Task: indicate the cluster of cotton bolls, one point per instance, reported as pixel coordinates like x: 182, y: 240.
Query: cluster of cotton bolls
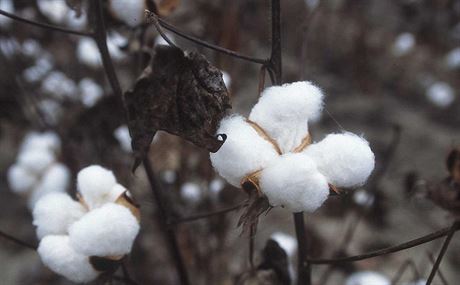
x: 36, y: 171
x: 102, y: 225
x: 272, y: 150
x: 88, y: 52
x: 58, y: 12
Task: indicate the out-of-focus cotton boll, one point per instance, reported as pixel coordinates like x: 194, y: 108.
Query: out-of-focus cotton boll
x: 9, y: 46
x: 243, y: 152
x: 345, y: 159
x: 124, y: 139
x: 31, y: 48
x: 7, y: 6
x: 54, y: 213
x: 55, y: 179
x: 441, y: 94
x: 293, y: 181
x: 38, y: 71
x: 114, y: 42
x: 115, y: 193
x: 45, y: 141
x: 36, y: 160
x: 95, y: 183
x: 453, y: 58
x: 76, y: 21
x: 215, y: 187
x: 227, y: 79
x: 416, y: 282
x: 90, y: 92
x: 367, y: 278
x: 59, y: 85
x: 55, y: 10
x: 88, y: 53
x: 363, y: 198
x: 287, y: 242
x: 191, y: 192
x: 169, y: 176
x: 20, y: 179
x: 57, y: 254
x: 130, y: 12
x: 106, y: 231
x: 403, y: 44
x: 51, y: 110
x: 284, y: 112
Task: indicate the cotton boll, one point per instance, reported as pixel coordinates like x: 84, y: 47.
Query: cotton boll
x: 114, y: 42
x: 403, y: 44
x: 367, y: 278
x: 124, y: 138
x: 54, y: 213
x: 90, y: 92
x: 191, y: 192
x: 293, y: 181
x: 287, y: 242
x: 20, y: 179
x: 36, y: 160
x: 131, y: 12
x: 243, y: 152
x: 441, y: 94
x: 346, y: 160
x: 106, y: 231
x: 452, y: 59
x: 55, y: 179
x: 55, y: 10
x: 44, y: 141
x: 88, y: 53
x: 31, y: 47
x: 115, y: 193
x: 59, y: 85
x: 95, y: 184
x: 284, y: 112
x: 57, y: 254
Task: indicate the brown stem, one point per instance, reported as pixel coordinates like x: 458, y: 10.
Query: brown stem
x: 196, y: 217
x: 388, y: 250
x: 444, y: 247
x: 440, y: 274
x: 275, y: 57
x: 43, y: 25
x: 17, y: 241
x: 303, y: 264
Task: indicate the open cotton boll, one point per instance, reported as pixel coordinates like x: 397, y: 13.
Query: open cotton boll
x: 20, y: 179
x: 55, y: 10
x: 124, y: 138
x: 345, y: 159
x: 36, y: 160
x: 59, y: 85
x: 131, y: 12
x: 243, y: 152
x: 47, y: 140
x: 441, y: 94
x: 90, y: 92
x: 284, y: 112
x: 95, y: 184
x: 54, y: 213
x: 57, y: 254
x: 287, y: 242
x: 55, y: 179
x: 367, y: 278
x: 293, y: 181
x: 88, y: 53
x: 191, y: 192
x: 106, y: 231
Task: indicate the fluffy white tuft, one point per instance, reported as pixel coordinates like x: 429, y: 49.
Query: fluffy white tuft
x: 55, y: 179
x: 36, y: 160
x: 243, y: 152
x: 95, y: 183
x: 123, y: 137
x: 441, y: 94
x: 20, y: 179
x: 54, y: 213
x: 293, y: 181
x: 367, y: 278
x: 90, y: 92
x: 287, y: 242
x: 403, y: 44
x: 47, y: 141
x: 131, y: 12
x: 55, y: 10
x: 345, y: 159
x: 284, y: 111
x: 57, y: 254
x: 106, y: 231
x: 191, y: 192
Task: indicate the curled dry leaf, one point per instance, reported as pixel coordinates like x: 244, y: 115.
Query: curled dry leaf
x: 180, y: 93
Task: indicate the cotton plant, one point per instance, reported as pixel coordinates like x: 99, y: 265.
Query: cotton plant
x: 272, y: 150
x: 37, y: 171
x: 76, y: 237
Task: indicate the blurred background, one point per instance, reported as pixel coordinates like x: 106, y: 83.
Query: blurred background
x: 389, y: 69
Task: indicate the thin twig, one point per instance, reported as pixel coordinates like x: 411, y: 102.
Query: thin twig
x: 275, y: 56
x: 445, y: 245
x: 170, y: 237
x: 222, y: 50
x: 44, y: 26
x: 388, y: 250
x: 17, y: 241
x: 402, y: 269
x: 303, y: 264
x: 154, y: 18
x: 440, y: 274
x: 196, y: 217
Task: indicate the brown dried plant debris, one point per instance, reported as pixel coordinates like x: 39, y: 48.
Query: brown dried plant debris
x: 180, y: 93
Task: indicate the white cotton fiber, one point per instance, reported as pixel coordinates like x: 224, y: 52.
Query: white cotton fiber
x: 122, y: 135
x: 90, y: 92
x: 115, y: 193
x: 131, y: 12
x: 191, y: 192
x: 243, y: 152
x: 54, y: 10
x: 36, y: 160
x: 287, y: 242
x: 55, y: 179
x: 95, y: 184
x: 20, y: 179
x: 88, y: 53
x: 293, y: 181
x: 54, y: 213
x: 367, y: 278
x: 284, y: 112
x: 346, y: 160
x: 47, y: 140
x: 106, y: 231
x: 57, y: 254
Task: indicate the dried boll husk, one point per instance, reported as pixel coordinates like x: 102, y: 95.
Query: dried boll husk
x: 126, y: 200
